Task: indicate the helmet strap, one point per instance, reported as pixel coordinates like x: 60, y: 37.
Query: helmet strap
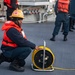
x: 16, y: 21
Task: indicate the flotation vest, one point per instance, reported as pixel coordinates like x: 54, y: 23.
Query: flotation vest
x: 63, y: 5
x: 8, y: 3
x: 7, y: 41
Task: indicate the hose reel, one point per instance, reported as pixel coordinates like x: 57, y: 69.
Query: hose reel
x: 42, y: 59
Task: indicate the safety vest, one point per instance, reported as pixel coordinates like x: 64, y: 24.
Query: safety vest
x: 7, y: 41
x: 63, y: 5
x: 8, y: 3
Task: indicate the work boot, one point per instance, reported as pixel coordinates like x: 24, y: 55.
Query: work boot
x: 65, y: 38
x: 15, y: 66
x: 2, y: 58
x: 53, y: 38
x: 70, y: 30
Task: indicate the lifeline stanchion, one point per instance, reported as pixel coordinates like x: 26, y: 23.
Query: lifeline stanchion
x: 42, y: 60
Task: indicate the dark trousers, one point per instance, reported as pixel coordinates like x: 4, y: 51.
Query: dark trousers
x: 9, y: 12
x: 71, y: 23
x: 8, y: 15
x: 61, y: 18
x: 18, y: 53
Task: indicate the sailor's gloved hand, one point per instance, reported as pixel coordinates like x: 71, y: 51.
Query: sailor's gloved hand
x: 38, y: 48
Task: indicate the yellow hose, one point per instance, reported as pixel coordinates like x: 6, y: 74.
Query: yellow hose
x: 58, y: 68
